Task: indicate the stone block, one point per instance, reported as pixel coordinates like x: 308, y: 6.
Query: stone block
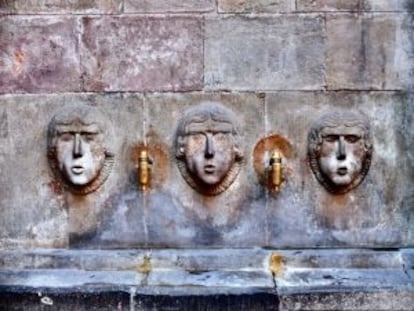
x: 159, y: 6
x: 389, y: 5
x: 378, y: 300
x: 329, y: 5
x: 261, y: 6
x: 374, y: 214
x: 46, y: 61
x: 142, y: 53
x: 269, y: 53
x: 36, y: 211
x: 373, y: 52
x: 60, y: 6
x: 189, y: 218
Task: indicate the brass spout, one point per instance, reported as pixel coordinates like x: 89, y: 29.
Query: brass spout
x: 275, y: 172
x: 144, y: 170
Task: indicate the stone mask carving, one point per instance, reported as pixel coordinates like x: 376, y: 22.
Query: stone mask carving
x: 340, y: 150
x: 78, y: 148
x: 208, y: 148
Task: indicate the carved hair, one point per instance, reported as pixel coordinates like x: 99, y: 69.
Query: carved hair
x: 82, y: 115
x: 315, y: 139
x: 198, y: 114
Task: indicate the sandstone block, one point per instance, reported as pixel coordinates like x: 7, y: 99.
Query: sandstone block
x: 47, y: 60
x: 329, y: 5
x: 372, y: 52
x: 272, y: 53
x: 151, y: 6
x: 142, y: 53
x: 263, y: 6
x: 60, y: 6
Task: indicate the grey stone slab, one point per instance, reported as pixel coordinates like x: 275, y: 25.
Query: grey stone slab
x: 389, y: 5
x: 342, y: 280
x: 35, y: 210
x: 282, y: 52
x: 149, y: 6
x: 65, y: 278
x: 261, y: 6
x: 60, y: 6
x: 382, y: 300
x: 139, y: 53
x: 329, y: 5
x: 234, y: 218
x: 377, y: 212
x: 341, y: 258
x: 46, y: 61
x: 373, y: 52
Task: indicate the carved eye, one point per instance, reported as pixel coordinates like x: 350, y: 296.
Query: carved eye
x: 220, y: 137
x: 66, y: 137
x: 89, y: 136
x: 331, y: 138
x: 352, y: 138
x: 197, y: 138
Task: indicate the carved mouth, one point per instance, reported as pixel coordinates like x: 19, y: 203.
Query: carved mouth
x: 342, y: 171
x: 209, y: 169
x: 77, y: 169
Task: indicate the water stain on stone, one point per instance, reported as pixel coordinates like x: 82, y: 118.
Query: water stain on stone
x: 4, y: 127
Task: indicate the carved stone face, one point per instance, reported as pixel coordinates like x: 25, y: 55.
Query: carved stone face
x: 207, y: 148
x: 80, y: 153
x: 340, y: 150
x: 77, y: 151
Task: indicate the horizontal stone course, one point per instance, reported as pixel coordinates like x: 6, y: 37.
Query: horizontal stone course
x: 60, y: 6
x: 142, y: 53
x: 38, y: 54
x: 389, y: 5
x: 329, y: 5
x: 173, y: 6
x: 259, y: 6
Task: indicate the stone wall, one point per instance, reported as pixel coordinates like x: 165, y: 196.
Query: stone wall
x: 279, y: 65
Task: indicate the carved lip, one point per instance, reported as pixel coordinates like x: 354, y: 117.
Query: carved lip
x: 77, y: 169
x: 209, y: 168
x: 342, y: 171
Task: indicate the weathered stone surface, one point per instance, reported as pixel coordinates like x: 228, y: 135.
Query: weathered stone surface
x: 35, y: 210
x: 329, y: 5
x: 263, y: 6
x: 60, y: 6
x: 142, y: 53
x: 45, y: 61
x: 151, y: 6
x: 123, y: 301
x: 373, y: 52
x: 386, y: 300
x: 278, y: 53
x: 389, y: 5
x: 374, y: 214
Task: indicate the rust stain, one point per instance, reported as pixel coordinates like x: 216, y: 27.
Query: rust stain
x: 277, y: 264
x: 56, y: 187
x: 146, y: 266
x: 18, y: 61
x: 267, y: 145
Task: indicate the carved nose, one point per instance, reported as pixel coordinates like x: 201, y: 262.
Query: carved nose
x: 77, y: 146
x: 209, y: 152
x: 341, y: 152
